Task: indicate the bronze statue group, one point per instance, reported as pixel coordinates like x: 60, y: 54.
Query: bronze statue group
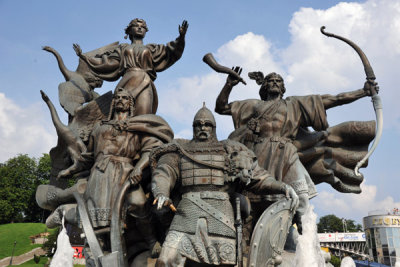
x: 141, y: 193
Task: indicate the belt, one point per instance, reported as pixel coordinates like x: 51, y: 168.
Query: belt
x: 134, y: 69
x: 197, y: 199
x: 116, y: 158
x: 103, y: 159
x: 207, y: 194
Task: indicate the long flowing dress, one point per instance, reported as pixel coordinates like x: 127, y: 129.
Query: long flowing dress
x: 138, y: 67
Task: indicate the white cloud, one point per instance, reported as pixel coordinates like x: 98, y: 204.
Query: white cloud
x: 185, y: 134
x: 353, y: 206
x: 181, y: 101
x: 251, y: 51
x: 311, y: 64
x: 317, y: 64
x: 23, y: 130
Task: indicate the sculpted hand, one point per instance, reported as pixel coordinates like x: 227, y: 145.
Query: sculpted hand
x: 162, y: 200
x: 290, y: 193
x: 371, y: 86
x: 136, y: 176
x: 232, y: 80
x: 183, y: 28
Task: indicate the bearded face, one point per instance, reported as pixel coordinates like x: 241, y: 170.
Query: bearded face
x: 202, y: 130
x: 121, y: 102
x: 274, y: 85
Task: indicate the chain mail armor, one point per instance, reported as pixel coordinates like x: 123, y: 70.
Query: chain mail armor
x: 207, y: 173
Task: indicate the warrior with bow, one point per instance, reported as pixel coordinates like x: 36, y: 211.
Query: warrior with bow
x: 275, y: 129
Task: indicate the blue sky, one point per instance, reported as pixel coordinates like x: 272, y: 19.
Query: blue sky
x: 281, y: 36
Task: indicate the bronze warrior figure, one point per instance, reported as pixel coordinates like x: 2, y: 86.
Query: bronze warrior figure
x: 118, y: 150
x: 270, y: 126
x: 207, y: 172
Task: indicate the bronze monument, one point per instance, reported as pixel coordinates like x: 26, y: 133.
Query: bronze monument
x: 140, y: 194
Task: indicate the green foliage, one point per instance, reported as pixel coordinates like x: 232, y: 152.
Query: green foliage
x: 19, y: 232
x: 335, y: 261
x: 331, y: 223
x: 19, y: 178
x: 51, y: 242
x: 352, y: 226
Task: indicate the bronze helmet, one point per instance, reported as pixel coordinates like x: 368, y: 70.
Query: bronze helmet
x: 203, y: 115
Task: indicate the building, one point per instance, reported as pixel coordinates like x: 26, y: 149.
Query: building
x: 344, y: 244
x: 382, y: 231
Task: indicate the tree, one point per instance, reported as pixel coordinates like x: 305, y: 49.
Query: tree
x: 331, y: 223
x: 42, y: 176
x: 50, y: 245
x: 335, y: 261
x: 352, y: 226
x: 19, y: 178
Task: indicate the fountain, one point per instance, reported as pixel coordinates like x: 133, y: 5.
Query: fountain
x: 64, y: 253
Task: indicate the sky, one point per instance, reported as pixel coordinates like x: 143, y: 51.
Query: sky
x: 276, y: 35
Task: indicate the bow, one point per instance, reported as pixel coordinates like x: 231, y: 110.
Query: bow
x: 376, y: 100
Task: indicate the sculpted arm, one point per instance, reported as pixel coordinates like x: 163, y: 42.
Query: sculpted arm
x: 136, y: 174
x: 164, y: 178
x: 221, y: 105
x: 100, y: 64
x: 331, y: 101
x: 164, y: 56
x: 147, y: 143
x: 264, y: 183
x: 182, y: 32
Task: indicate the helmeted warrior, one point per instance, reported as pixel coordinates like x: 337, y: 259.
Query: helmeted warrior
x: 207, y: 172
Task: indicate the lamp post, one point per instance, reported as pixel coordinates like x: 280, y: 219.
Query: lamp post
x: 12, y: 254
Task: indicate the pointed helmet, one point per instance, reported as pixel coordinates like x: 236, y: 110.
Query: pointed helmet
x: 204, y: 115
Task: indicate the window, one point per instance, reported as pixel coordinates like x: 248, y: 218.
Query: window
x: 389, y: 232
x: 386, y: 260
x: 390, y: 241
x: 392, y: 251
x: 396, y: 232
x: 394, y: 260
x: 396, y: 241
x: 383, y: 238
x: 385, y: 251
